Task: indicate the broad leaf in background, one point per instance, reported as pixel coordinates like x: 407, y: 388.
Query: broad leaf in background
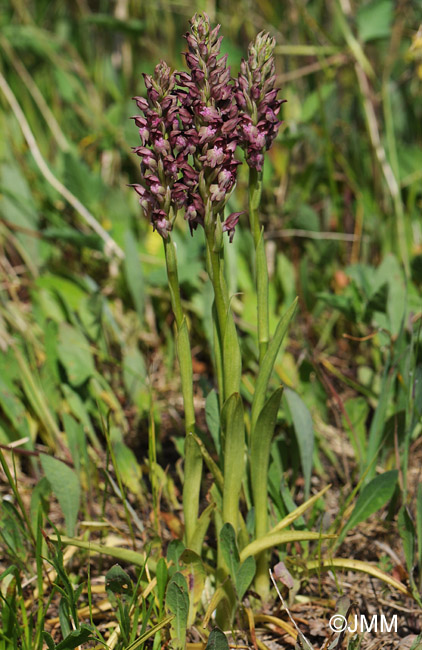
x: 217, y: 640
x: 74, y: 353
x: 374, y: 19
x: 302, y: 422
x: 65, y: 485
x: 371, y: 499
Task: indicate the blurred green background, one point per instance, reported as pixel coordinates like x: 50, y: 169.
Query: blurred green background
x: 86, y: 333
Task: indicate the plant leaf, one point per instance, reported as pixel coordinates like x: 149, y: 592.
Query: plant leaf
x: 217, y: 640
x: 65, y: 485
x: 260, y: 452
x: 302, y: 422
x: 75, y: 355
x: 372, y: 498
x: 118, y: 581
x: 244, y: 576
x: 406, y: 530
x: 177, y: 601
x: 267, y: 365
x: 76, y: 638
x: 212, y: 416
x: 357, y: 565
x: 233, y: 428
x: 229, y: 549
x: 282, y: 537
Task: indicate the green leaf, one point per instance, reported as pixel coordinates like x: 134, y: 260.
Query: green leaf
x: 135, y: 375
x: 75, y: 438
x: 12, y: 407
x: 174, y: 551
x: 260, y: 454
x: 229, y: 550
x: 127, y: 466
x: 374, y: 20
x: 177, y: 601
x: 217, y: 640
x: 65, y: 485
x: 244, y: 576
x: 197, y: 540
x: 195, y: 574
x: 371, y: 499
x: 74, y: 353
x: 81, y: 180
x: 76, y: 638
x: 118, y: 581
x: 233, y: 428
x: 379, y: 418
x: 419, y: 522
x: 406, y: 530
x: 302, y: 422
x: 267, y: 365
x: 161, y: 575
x: 49, y: 641
x: 212, y: 416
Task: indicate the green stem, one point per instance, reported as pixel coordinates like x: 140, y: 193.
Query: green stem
x: 218, y: 283
x: 255, y: 186
x: 193, y: 459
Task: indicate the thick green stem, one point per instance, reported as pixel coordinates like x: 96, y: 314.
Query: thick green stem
x: 218, y: 283
x: 255, y: 185
x: 193, y: 459
x: 229, y: 364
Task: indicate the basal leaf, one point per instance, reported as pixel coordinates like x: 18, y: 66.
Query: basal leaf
x: 244, y: 576
x: 302, y: 422
x: 233, y: 428
x: 161, y: 575
x: 177, y: 600
x: 229, y: 549
x: 217, y: 640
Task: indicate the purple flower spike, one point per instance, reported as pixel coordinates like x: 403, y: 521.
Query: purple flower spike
x: 257, y: 100
x: 191, y: 124
x: 163, y: 151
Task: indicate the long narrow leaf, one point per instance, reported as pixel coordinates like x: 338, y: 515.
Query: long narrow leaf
x: 233, y: 427
x: 259, y: 458
x: 268, y: 363
x: 302, y: 422
x: 275, y: 539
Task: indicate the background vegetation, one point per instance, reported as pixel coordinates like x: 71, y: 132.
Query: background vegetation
x: 89, y: 385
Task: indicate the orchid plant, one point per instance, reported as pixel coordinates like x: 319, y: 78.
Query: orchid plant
x: 193, y: 123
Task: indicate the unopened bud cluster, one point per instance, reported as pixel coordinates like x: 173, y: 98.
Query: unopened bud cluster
x: 192, y: 123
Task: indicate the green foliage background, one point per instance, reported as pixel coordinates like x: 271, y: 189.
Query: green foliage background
x: 86, y: 336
